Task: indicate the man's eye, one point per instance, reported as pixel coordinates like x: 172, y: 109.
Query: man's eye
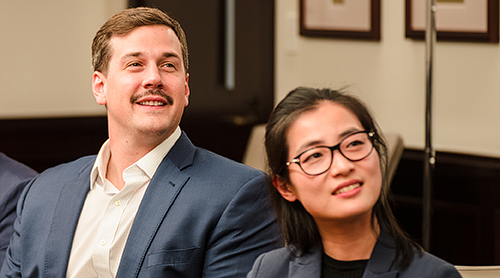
x: 135, y: 64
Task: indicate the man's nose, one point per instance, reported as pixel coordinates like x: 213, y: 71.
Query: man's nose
x: 152, y: 78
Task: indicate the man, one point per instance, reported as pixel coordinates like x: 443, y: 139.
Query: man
x: 150, y: 204
x: 13, y: 178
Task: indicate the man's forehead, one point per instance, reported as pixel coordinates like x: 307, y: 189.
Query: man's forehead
x: 135, y: 38
x: 146, y: 28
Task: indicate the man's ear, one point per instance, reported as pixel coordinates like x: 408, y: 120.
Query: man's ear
x: 187, y: 91
x: 99, y: 88
x: 284, y: 188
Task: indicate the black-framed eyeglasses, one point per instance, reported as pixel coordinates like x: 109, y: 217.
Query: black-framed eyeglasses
x: 317, y: 160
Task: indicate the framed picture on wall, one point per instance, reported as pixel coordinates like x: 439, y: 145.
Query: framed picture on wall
x: 456, y: 20
x: 345, y: 19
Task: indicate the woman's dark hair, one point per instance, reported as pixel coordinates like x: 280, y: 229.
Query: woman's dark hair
x: 299, y: 227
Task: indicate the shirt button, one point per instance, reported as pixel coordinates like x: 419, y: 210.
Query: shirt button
x: 103, y: 242
x: 118, y: 203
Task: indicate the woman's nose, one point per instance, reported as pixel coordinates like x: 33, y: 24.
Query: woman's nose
x: 340, y: 164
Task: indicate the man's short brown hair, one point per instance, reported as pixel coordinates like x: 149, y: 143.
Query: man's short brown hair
x: 124, y: 22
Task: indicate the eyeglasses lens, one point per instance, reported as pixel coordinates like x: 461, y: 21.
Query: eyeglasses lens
x: 318, y: 160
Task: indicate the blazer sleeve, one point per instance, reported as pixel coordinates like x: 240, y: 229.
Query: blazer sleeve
x: 8, y: 216
x: 246, y: 229
x: 12, y: 265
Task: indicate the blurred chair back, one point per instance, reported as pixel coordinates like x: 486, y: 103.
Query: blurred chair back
x: 255, y: 151
x: 395, y: 148
x: 479, y: 271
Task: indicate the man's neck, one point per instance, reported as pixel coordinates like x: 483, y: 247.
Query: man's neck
x: 125, y: 152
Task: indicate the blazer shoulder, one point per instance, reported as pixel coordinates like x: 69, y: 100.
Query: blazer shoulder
x: 423, y: 264
x: 185, y: 155
x: 13, y: 172
x: 58, y: 176
x: 428, y: 265
x: 82, y: 164
x: 217, y: 165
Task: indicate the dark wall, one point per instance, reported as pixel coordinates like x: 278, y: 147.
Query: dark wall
x: 47, y: 142
x: 43, y: 143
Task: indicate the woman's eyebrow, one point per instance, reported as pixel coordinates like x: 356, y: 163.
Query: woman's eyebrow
x: 309, y: 144
x: 349, y: 132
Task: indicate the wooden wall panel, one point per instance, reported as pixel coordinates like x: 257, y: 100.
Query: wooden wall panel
x: 466, y: 197
x: 43, y: 143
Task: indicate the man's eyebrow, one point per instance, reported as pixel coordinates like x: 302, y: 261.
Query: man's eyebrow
x: 171, y: 54
x: 139, y: 53
x: 131, y: 54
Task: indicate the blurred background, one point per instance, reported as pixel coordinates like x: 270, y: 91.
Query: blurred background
x: 48, y: 114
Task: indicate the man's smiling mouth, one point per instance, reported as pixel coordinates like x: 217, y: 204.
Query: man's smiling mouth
x: 152, y: 103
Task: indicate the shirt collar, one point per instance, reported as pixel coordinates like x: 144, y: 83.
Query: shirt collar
x: 148, y: 163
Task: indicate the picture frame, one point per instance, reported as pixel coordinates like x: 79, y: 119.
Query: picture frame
x: 456, y: 20
x: 342, y: 19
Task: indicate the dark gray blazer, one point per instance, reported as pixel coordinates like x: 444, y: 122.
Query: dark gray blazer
x: 13, y: 178
x: 281, y: 263
x: 202, y: 216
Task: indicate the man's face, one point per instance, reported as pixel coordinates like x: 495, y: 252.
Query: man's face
x: 146, y: 87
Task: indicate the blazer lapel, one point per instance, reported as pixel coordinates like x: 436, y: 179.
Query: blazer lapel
x: 308, y: 265
x: 161, y: 193
x: 381, y: 263
x: 66, y: 215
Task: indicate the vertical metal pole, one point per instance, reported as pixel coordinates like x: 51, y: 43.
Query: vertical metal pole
x: 430, y: 156
x: 230, y: 48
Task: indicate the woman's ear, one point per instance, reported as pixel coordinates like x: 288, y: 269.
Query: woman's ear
x: 284, y: 188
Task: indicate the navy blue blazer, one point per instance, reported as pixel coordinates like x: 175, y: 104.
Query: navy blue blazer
x: 202, y: 216
x: 13, y: 178
x: 282, y: 263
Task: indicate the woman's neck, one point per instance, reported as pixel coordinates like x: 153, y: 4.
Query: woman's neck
x: 349, y: 240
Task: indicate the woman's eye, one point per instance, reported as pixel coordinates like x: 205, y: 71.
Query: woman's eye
x: 355, y: 143
x: 312, y: 157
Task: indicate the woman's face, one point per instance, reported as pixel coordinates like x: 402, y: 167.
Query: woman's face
x: 348, y: 189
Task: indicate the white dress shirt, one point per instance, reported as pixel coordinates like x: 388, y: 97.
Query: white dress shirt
x: 108, y: 214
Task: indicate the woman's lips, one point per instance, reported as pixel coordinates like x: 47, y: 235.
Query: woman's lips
x: 347, y: 188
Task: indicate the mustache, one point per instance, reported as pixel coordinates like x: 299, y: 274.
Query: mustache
x: 156, y: 92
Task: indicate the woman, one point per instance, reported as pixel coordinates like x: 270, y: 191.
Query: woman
x: 327, y: 158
